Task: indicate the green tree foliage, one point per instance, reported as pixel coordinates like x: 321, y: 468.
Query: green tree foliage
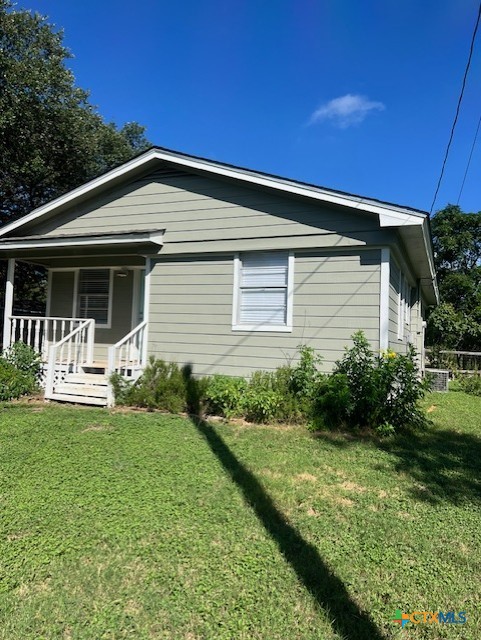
x: 456, y: 322
x: 52, y: 139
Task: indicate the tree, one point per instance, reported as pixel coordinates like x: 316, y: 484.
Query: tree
x: 51, y: 138
x: 456, y: 322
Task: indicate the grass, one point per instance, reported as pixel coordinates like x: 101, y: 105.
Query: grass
x: 143, y: 525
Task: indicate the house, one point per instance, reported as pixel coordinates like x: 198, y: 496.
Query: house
x: 205, y: 263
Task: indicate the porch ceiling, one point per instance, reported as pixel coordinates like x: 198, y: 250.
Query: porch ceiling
x: 108, y: 249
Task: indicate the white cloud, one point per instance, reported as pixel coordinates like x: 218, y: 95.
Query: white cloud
x: 346, y: 110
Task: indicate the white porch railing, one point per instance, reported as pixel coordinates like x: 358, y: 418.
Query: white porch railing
x: 39, y: 331
x: 128, y: 357
x: 129, y: 354
x: 72, y: 352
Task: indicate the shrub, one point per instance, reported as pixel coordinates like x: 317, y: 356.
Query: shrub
x: 471, y: 383
x: 283, y: 395
x: 20, y: 368
x: 333, y: 404
x: 225, y: 395
x: 162, y: 385
x: 14, y: 382
x: 263, y: 398
x: 380, y: 392
x: 25, y: 359
x: 305, y: 376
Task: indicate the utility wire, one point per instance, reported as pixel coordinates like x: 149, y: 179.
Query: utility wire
x: 457, y: 108
x: 469, y: 160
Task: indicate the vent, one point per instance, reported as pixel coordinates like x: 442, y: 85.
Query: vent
x: 439, y: 379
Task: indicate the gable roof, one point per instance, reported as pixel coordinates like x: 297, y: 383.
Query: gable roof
x: 390, y: 215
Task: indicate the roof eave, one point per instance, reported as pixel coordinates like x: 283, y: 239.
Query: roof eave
x: 140, y: 163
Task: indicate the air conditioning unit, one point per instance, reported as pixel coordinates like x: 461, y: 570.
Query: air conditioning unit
x: 439, y: 379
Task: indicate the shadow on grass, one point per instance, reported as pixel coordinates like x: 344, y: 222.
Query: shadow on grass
x: 445, y: 465
x: 324, y: 586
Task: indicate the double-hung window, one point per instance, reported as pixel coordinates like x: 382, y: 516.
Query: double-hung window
x: 263, y: 284
x: 94, y: 295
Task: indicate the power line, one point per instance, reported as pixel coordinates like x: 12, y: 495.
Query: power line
x: 457, y: 108
x: 469, y: 160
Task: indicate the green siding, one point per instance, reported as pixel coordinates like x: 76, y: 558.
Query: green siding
x: 335, y: 294
x: 61, y: 293
x: 201, y: 214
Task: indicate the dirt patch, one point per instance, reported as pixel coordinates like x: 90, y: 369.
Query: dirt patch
x: 268, y: 473
x: 27, y: 589
x: 97, y: 427
x: 352, y: 486
x: 345, y: 502
x: 133, y: 608
x: 382, y: 493
x: 305, y: 477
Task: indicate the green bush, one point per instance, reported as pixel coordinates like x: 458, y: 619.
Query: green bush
x: 20, y: 368
x: 15, y: 383
x: 162, y: 385
x: 305, y: 376
x: 333, y: 404
x: 25, y: 359
x: 283, y: 395
x: 366, y: 390
x: 225, y: 395
x: 471, y: 383
x: 263, y: 398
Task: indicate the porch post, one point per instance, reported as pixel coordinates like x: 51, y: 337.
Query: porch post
x: 148, y: 272
x: 8, y: 303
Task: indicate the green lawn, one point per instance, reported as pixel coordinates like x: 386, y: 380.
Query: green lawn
x: 142, y: 525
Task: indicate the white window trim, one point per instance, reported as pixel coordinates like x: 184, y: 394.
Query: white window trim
x: 384, y: 299
x: 287, y: 328
x: 98, y: 325
x: 404, y: 306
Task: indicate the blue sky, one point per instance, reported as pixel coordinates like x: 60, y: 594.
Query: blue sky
x: 357, y: 96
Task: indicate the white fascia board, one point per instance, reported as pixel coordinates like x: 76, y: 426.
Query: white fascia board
x: 156, y: 238
x: 314, y: 193
x: 398, y: 219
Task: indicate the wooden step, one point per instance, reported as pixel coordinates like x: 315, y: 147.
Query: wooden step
x: 87, y: 378
x: 64, y: 397
x: 88, y: 390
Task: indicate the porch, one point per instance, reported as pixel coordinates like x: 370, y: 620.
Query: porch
x: 95, y: 322
x: 67, y: 347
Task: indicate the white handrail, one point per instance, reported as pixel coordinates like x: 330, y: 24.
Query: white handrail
x: 71, y: 352
x: 40, y: 331
x: 129, y: 353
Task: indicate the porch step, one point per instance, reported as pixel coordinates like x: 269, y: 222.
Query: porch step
x: 87, y: 390
x: 82, y: 388
x: 96, y: 368
x: 86, y: 378
x: 65, y: 397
